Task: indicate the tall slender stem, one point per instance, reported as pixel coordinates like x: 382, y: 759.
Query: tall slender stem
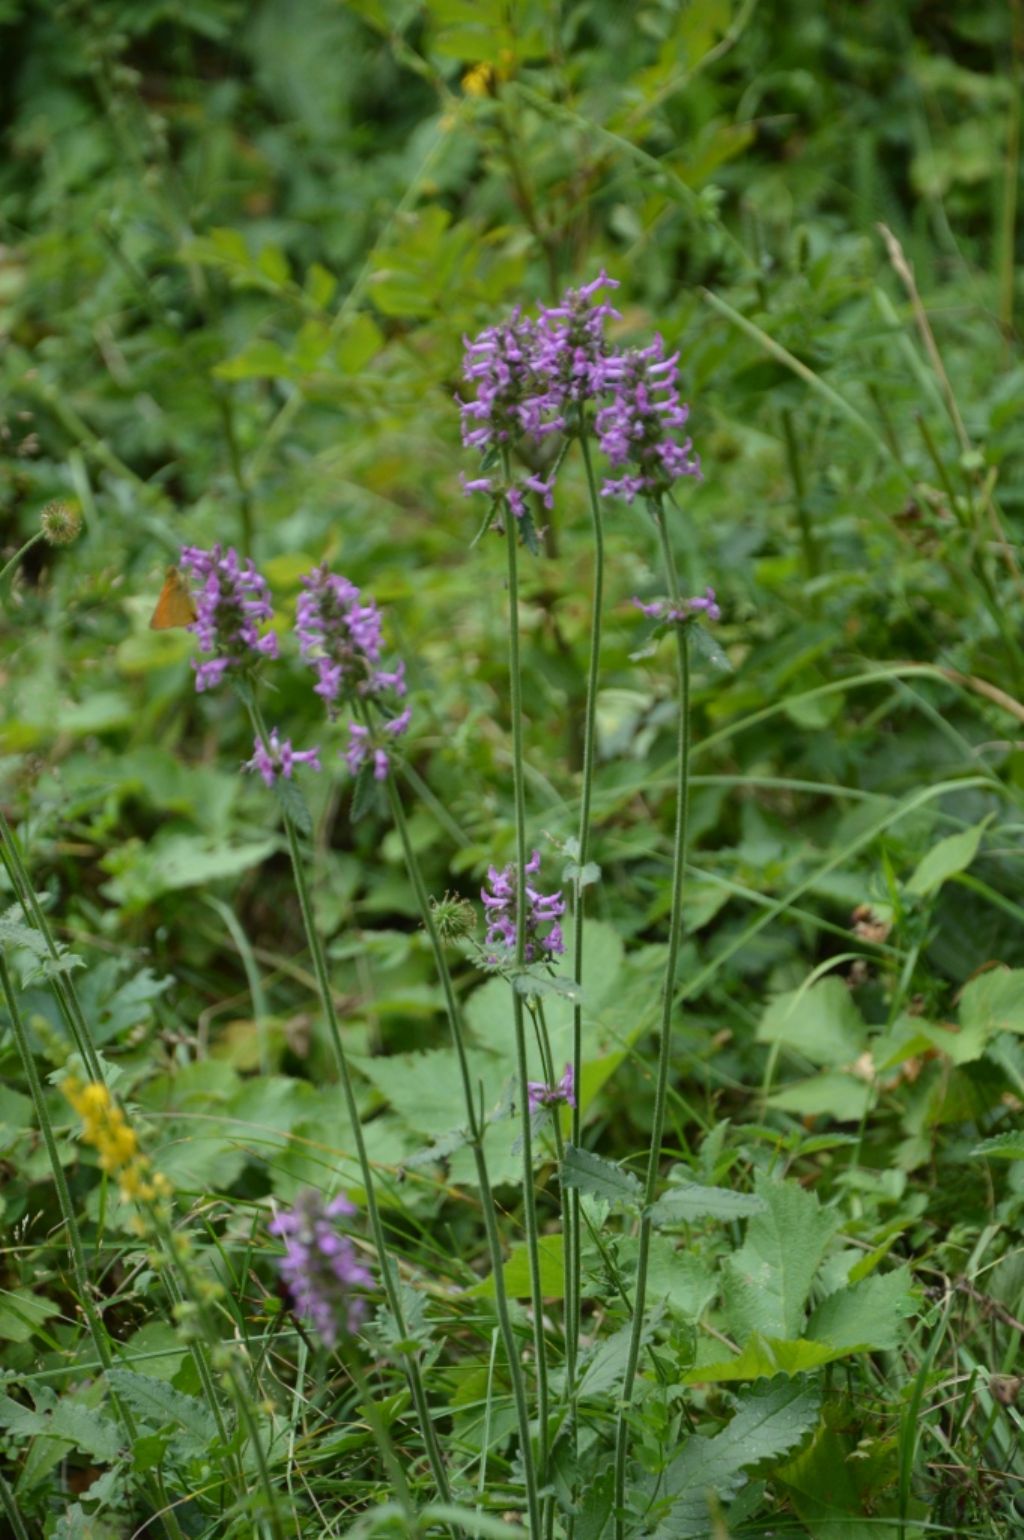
x: 391, y: 1291
x: 573, y: 1303
x: 665, y: 1045
x: 480, y: 1160
x: 518, y: 1003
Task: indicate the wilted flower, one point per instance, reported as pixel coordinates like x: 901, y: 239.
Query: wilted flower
x: 540, y: 1094
x: 635, y: 429
x: 319, y: 1266
x: 543, y: 912
x: 277, y: 757
x: 664, y: 609
x: 232, y: 601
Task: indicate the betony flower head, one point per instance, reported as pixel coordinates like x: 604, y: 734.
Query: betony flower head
x: 319, y: 1266
x: 571, y: 350
x: 276, y: 758
x: 540, y: 1094
x: 340, y: 636
x: 543, y: 940
x: 698, y: 604
x: 366, y: 745
x: 232, y: 602
x: 638, y: 429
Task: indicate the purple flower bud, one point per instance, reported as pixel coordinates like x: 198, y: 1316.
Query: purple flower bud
x: 277, y: 757
x: 319, y: 1266
x: 232, y: 602
x: 543, y: 912
x: 664, y: 609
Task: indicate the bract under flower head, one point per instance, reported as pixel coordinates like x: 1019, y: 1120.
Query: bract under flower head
x: 232, y: 602
x: 319, y: 1266
x: 636, y: 429
x: 543, y: 939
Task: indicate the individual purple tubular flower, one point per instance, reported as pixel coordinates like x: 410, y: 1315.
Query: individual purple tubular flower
x: 543, y: 939
x: 638, y: 426
x: 362, y: 745
x: 232, y: 602
x: 276, y: 758
x: 700, y: 604
x: 319, y: 1267
x: 541, y: 1094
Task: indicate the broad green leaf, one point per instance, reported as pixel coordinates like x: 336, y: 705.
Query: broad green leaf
x: 690, y: 1201
x: 768, y: 1280
x: 944, y: 860
x: 22, y: 1312
x: 867, y: 1316
x: 676, y: 1275
x: 993, y: 1002
x: 81, y: 1427
x: 516, y: 1272
x: 470, y: 1521
x: 770, y: 1422
x: 832, y: 1094
x: 160, y: 1406
x: 1001, y: 1147
x: 599, y: 1178
x: 603, y: 1371
x: 763, y: 1357
x: 822, y: 1023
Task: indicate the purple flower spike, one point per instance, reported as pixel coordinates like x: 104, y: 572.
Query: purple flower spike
x: 542, y: 1095
x: 572, y: 353
x: 636, y: 429
x: 542, y: 911
x: 319, y: 1267
x: 232, y: 602
x: 700, y: 604
x: 341, y: 638
x: 277, y: 757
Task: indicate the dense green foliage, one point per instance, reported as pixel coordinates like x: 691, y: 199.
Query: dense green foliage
x: 241, y: 246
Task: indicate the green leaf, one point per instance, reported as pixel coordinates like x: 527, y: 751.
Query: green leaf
x: 945, y: 859
x: 599, y: 1178
x: 768, y: 1280
x: 160, y: 1405
x: 770, y: 1422
x: 822, y: 1023
x: 22, y: 1312
x: 80, y: 1426
x: 472, y: 1522
x: 763, y: 1357
x: 1001, y: 1147
x: 516, y: 1272
x: 293, y: 804
x: 690, y: 1201
x: 866, y: 1317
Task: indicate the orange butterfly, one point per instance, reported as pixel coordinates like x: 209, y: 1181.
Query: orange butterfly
x: 175, y: 606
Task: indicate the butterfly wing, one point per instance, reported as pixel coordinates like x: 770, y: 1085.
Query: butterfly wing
x: 175, y: 606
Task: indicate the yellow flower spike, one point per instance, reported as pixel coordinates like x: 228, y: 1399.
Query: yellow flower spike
x: 480, y: 80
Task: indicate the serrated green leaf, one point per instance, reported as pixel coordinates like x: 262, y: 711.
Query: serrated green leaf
x: 682, y: 1205
x: 822, y: 1023
x: 516, y: 1272
x: 293, y: 804
x: 599, y: 1178
x: 868, y: 1316
x: 764, y: 1357
x: 160, y: 1405
x: 1001, y: 1147
x: 768, y: 1280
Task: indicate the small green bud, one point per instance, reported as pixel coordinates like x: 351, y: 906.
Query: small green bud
x: 61, y: 523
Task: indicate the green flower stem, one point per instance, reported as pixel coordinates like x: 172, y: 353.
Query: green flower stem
x: 7, y: 570
x: 13, y: 1513
x: 394, y: 1299
x: 664, y: 1048
x: 573, y: 1282
x: 475, y: 1131
x: 75, y: 1248
x: 518, y: 1004
x: 64, y: 990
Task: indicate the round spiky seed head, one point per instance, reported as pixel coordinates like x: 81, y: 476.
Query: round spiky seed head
x: 454, y: 916
x: 61, y: 523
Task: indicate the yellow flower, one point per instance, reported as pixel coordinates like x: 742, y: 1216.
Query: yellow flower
x: 480, y: 80
x: 105, y: 1127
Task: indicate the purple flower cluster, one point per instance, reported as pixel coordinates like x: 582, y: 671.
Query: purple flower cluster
x: 341, y: 638
x: 543, y: 939
x: 700, y: 604
x: 277, y: 757
x: 636, y: 428
x: 232, y: 602
x: 528, y: 376
x: 319, y: 1266
x: 533, y: 379
x: 541, y: 1094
